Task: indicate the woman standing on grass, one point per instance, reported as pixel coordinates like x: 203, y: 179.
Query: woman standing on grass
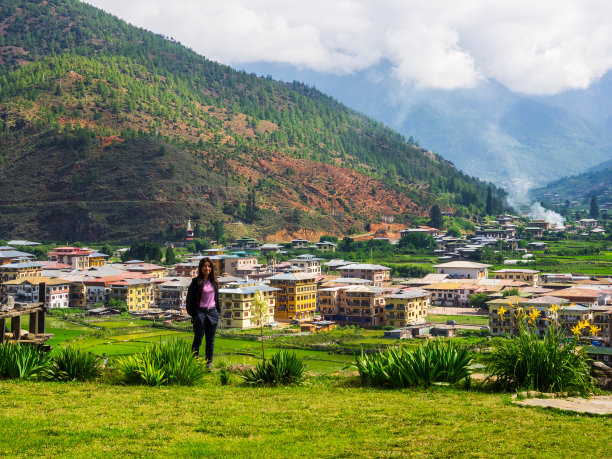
x: 204, y: 308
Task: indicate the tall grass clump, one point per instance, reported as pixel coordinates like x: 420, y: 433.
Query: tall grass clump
x: 549, y: 364
x: 422, y: 366
x: 72, y: 364
x: 19, y: 361
x: 284, y: 368
x: 552, y: 363
x: 170, y: 362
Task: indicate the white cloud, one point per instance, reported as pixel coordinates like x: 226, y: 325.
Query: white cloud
x: 540, y: 47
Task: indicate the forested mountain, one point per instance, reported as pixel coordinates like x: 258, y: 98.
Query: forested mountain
x: 112, y: 132
x: 579, y: 188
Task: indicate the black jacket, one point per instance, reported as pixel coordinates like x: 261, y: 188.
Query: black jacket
x: 194, y: 295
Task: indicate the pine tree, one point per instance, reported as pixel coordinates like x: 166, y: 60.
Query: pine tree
x: 594, y: 207
x: 170, y: 256
x: 435, y: 217
x: 489, y: 207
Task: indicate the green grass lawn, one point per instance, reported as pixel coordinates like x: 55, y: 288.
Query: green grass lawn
x: 470, y: 320
x: 327, y: 417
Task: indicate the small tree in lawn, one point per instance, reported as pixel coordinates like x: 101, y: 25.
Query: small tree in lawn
x: 260, y: 313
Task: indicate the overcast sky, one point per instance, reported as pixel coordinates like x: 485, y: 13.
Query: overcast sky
x: 530, y: 46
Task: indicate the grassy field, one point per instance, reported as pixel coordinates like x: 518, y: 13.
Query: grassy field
x: 327, y: 417
x: 469, y: 320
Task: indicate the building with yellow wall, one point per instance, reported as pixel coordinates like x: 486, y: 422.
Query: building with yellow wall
x: 136, y: 293
x: 529, y: 276
x: 236, y: 301
x: 297, y: 296
x: 407, y: 308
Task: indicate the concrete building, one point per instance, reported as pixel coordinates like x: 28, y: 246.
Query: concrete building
x: 407, y: 308
x: 236, y: 301
x: 376, y: 273
x: 463, y: 270
x: 352, y: 305
x: 296, y: 298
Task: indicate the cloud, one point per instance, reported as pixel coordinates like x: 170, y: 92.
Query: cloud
x: 540, y: 47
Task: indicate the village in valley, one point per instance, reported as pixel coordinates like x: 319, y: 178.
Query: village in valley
x: 309, y: 289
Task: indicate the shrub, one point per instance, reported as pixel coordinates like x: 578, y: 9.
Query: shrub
x: 403, y: 367
x: 549, y: 364
x: 170, y: 362
x: 21, y: 361
x: 71, y: 364
x: 283, y: 368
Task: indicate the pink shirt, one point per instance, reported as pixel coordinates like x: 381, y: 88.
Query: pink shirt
x: 207, y: 300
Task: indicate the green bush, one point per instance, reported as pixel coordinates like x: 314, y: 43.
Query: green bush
x: 18, y: 361
x: 549, y: 364
x: 404, y: 367
x: 170, y: 362
x: 71, y: 364
x: 283, y: 368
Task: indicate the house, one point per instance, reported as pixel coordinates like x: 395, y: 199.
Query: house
x: 317, y: 326
x: 537, y: 246
x: 530, y: 276
x: 333, y: 265
x: 10, y: 255
x: 299, y: 243
x: 352, y: 305
x: 137, y: 294
x: 237, y: 261
x: 452, y: 294
x: 26, y: 290
x: 540, y: 223
x: 326, y: 246
x: 587, y: 223
x: 407, y: 308
x: 270, y: 248
x: 376, y: 273
x: 508, y: 325
x: 136, y: 266
x: 308, y: 263
x: 76, y: 257
x: 171, y: 293
x: 296, y: 298
x: 236, y: 301
x: 496, y: 233
x: 245, y: 243
x: 534, y: 231
x: 189, y: 269
x: 463, y: 270
x: 586, y: 297
x: 20, y: 270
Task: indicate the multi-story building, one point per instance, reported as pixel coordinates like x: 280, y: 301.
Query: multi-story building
x: 26, y: 290
x: 508, y: 324
x: 463, y: 270
x: 326, y: 246
x: 407, y: 308
x: 76, y: 257
x: 172, y: 293
x: 299, y: 243
x: 187, y: 269
x: 452, y: 294
x: 352, y: 305
x: 137, y: 294
x: 236, y: 262
x: 10, y: 255
x: 376, y: 273
x: 13, y: 271
x: 529, y: 276
x: 146, y: 268
x: 296, y: 298
x: 309, y: 264
x: 236, y: 301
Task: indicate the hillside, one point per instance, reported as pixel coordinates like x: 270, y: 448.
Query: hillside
x: 595, y: 182
x: 110, y: 132
x: 522, y: 139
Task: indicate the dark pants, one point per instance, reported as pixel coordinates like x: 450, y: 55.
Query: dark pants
x: 205, y: 325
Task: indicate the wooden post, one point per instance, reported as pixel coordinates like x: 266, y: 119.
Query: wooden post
x: 16, y: 327
x: 33, y: 322
x: 42, y: 297
x: 2, y: 325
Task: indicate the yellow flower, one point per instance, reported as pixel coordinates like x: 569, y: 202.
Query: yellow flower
x: 534, y: 314
x: 501, y: 312
x: 576, y: 330
x: 594, y: 330
x: 583, y: 324
x: 553, y: 308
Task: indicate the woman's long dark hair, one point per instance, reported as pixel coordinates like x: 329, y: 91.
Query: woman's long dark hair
x: 211, y: 277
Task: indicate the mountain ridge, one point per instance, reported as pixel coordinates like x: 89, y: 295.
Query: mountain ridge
x: 101, y: 109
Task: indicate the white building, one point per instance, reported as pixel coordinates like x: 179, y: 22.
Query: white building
x: 463, y: 270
